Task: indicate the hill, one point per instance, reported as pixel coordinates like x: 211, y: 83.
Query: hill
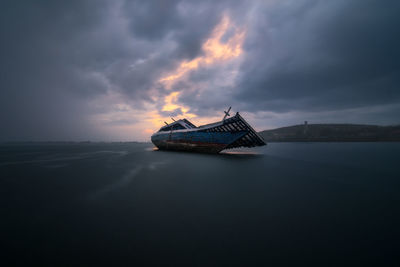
x: 332, y: 133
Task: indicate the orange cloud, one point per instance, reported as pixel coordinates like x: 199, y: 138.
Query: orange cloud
x: 170, y: 100
x: 215, y: 51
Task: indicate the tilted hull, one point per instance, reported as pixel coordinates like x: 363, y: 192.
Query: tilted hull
x: 205, y: 142
x: 211, y: 138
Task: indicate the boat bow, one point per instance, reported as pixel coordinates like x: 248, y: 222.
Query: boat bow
x: 238, y: 124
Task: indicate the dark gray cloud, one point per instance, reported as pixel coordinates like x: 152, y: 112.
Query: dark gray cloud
x: 42, y: 85
x: 59, y: 59
x: 323, y: 56
x: 58, y: 56
x: 153, y: 19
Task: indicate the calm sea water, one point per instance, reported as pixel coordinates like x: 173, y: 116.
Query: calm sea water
x: 324, y: 204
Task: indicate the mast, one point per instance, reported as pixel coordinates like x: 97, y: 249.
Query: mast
x: 226, y: 113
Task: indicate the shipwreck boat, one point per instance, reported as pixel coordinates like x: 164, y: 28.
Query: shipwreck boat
x: 182, y: 135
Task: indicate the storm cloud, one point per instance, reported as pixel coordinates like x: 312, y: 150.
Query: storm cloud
x: 113, y: 70
x: 324, y: 56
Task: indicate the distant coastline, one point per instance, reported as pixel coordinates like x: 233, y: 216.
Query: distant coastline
x: 333, y: 133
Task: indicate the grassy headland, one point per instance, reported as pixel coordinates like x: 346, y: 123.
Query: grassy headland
x: 332, y: 133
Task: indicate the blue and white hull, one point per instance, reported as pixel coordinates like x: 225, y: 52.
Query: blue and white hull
x: 211, y: 138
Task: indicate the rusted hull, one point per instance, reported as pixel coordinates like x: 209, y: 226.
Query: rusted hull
x: 195, y: 141
x: 190, y: 146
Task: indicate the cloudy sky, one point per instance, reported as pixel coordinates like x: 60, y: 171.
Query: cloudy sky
x: 115, y: 70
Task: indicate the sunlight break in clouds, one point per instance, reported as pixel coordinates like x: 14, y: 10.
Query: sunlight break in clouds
x: 215, y: 51
x: 119, y: 119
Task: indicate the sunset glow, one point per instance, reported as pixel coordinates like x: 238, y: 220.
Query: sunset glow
x: 125, y: 67
x: 170, y: 100
x: 215, y: 50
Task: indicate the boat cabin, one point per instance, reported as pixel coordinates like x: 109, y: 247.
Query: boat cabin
x: 178, y: 125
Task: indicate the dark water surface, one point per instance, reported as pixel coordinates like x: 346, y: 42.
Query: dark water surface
x: 323, y: 204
